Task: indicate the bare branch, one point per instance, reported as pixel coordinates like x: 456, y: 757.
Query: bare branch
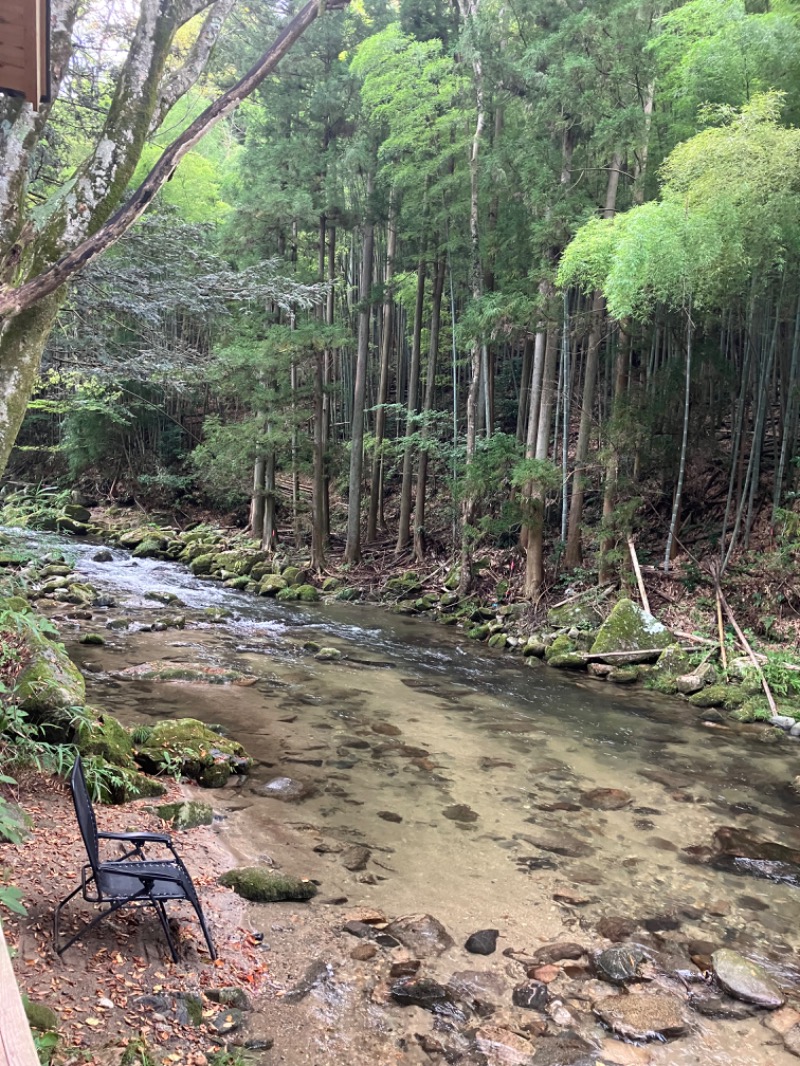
x: 14, y: 301
x: 180, y: 81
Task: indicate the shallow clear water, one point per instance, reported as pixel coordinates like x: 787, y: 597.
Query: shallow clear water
x: 417, y: 719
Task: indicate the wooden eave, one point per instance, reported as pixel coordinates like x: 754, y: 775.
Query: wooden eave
x: 25, y: 49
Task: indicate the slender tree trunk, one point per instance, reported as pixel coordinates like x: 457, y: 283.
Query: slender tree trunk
x: 524, y: 388
x: 430, y: 393
x: 676, y: 506
x: 256, y: 523
x: 270, y: 503
x: 534, y: 549
x: 352, y: 552
x: 404, y: 524
x: 376, y: 490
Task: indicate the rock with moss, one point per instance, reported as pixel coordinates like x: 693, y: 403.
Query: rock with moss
x: 189, y: 747
x: 631, y: 630
x: 294, y: 575
x: 117, y: 784
x: 306, y: 593
x: 623, y: 675
x: 719, y: 695
x: 571, y: 660
x: 132, y: 538
x: 579, y: 613
x: 272, y: 585
x: 151, y: 548
x: 404, y: 587
x: 202, y: 564
x: 216, y: 614
x: 287, y: 595
x: 752, y: 709
x: 92, y: 639
x: 261, y: 885
x: 239, y: 583
x: 498, y: 640
x: 40, y: 1017
x: 330, y: 585
x: 327, y: 655
x: 186, y: 815
x: 481, y: 632
x: 688, y: 684
x: 238, y: 562
x: 101, y: 734
x: 50, y: 681
x: 535, y: 646
x: 671, y: 663
x: 172, y: 621
x: 562, y: 645
x: 348, y: 594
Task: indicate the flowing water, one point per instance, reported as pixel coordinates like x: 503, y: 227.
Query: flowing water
x: 467, y: 776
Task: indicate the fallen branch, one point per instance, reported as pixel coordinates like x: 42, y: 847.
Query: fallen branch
x: 750, y: 653
x: 693, y: 638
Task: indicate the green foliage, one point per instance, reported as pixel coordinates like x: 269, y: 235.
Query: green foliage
x: 782, y: 674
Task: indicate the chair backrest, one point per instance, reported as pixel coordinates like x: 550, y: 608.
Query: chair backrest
x: 84, y: 812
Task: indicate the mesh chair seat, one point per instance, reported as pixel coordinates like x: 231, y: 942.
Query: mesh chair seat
x: 119, y: 880
x: 132, y: 878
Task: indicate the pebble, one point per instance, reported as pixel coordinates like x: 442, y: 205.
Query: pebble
x: 532, y: 995
x: 484, y: 942
x: 363, y: 952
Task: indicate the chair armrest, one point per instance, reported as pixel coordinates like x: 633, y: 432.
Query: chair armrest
x: 138, y: 838
x: 141, y: 871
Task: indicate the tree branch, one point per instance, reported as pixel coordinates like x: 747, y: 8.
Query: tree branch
x: 180, y: 81
x: 14, y: 301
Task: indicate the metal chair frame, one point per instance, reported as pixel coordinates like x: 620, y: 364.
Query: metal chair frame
x: 152, y: 882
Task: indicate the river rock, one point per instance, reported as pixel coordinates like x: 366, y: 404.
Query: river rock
x: 50, y: 681
x: 230, y: 996
x: 481, y: 990
x: 502, y: 1047
x: 186, y: 815
x: 484, y: 942
x: 103, y: 556
x: 742, y: 852
x: 559, y: 844
x: 630, y: 629
x: 259, y: 884
x: 606, y: 799
x: 565, y: 1049
x: 550, y: 953
x: 616, y: 928
x: 423, y: 992
x: 532, y: 995
x: 355, y: 858
x: 580, y: 614
x: 621, y: 964
x: 287, y: 789
x: 711, y: 1005
x: 460, y: 812
x: 688, y: 684
x: 422, y: 934
x: 746, y: 979
x: 651, y: 1016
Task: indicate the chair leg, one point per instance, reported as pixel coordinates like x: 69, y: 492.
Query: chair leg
x: 162, y: 917
x: 57, y: 917
x: 201, y: 918
x: 90, y: 925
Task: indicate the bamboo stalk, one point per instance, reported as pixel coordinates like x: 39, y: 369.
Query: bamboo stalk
x: 723, y: 656
x: 750, y: 653
x: 638, y: 572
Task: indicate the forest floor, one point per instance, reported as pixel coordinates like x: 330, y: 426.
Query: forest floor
x: 105, y: 984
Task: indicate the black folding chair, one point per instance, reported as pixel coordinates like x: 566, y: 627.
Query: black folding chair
x: 132, y: 878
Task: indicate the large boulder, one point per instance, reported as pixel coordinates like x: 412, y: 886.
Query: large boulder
x: 102, y: 735
x: 50, y: 681
x: 186, y: 746
x: 629, y: 629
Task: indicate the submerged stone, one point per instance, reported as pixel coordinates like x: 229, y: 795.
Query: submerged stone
x: 484, y: 942
x: 421, y: 933
x: 186, y: 815
x: 621, y: 964
x: 651, y: 1016
x: 261, y: 885
x: 746, y: 979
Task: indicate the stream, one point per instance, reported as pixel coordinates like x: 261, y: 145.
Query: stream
x: 472, y: 779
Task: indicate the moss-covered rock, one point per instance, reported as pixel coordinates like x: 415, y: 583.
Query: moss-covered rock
x: 581, y: 614
x: 50, y: 681
x: 151, y: 548
x: 238, y: 562
x: 330, y: 585
x: 191, y: 748
x: 40, y: 1017
x: 562, y: 645
x: 106, y: 737
x: 306, y: 593
x: 405, y: 587
x: 481, y: 632
x: 287, y: 595
x: 498, y: 640
x: 216, y: 614
x: 202, y: 564
x: 348, y: 594
x: 623, y: 675
x: 239, y: 583
x: 573, y: 660
x: 272, y: 585
x: 261, y: 885
x: 630, y: 629
x: 132, y: 538
x: 186, y: 815
x: 719, y: 695
x: 534, y: 646
x: 328, y: 655
x: 117, y: 784
x: 294, y: 575
x: 92, y: 639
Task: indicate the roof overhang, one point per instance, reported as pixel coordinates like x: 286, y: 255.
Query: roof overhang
x: 25, y: 49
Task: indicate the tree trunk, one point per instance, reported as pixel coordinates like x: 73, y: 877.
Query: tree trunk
x: 256, y: 523
x: 404, y: 523
x: 430, y: 393
x: 383, y: 385
x: 352, y: 551
x: 676, y: 506
x: 534, y: 544
x: 270, y: 504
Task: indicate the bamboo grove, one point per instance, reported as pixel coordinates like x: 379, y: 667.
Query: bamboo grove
x: 458, y: 276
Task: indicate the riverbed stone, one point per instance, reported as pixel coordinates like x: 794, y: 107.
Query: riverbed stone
x: 202, y: 564
x: 186, y: 815
x: 356, y: 857
x: 103, y: 735
x: 688, y: 684
x: 616, y: 928
x: 564, y: 1049
x: 710, y: 696
x: 502, y: 1047
x: 460, y: 812
x: 483, y: 942
x: 532, y: 995
x: 605, y: 799
x: 620, y: 964
x: 259, y: 884
x: 285, y: 788
x: 649, y: 1016
x: 629, y: 628
x: 623, y: 675
x: 746, y: 980
x: 422, y: 934
x: 423, y: 992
